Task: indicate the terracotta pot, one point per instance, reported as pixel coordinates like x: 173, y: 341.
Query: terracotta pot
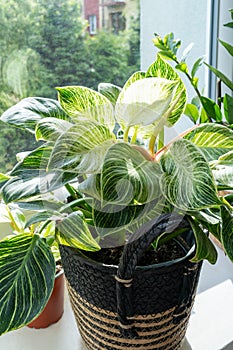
x: 54, y: 309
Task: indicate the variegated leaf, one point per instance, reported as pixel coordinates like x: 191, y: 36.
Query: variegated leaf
x: 30, y: 177
x: 112, y: 218
x: 205, y: 249
x: 213, y: 139
x: 187, y: 181
x: 82, y: 103
x: 110, y: 91
x: 29, y: 111
x: 162, y: 69
x: 74, y: 232
x: 82, y: 148
x: 134, y: 77
x: 127, y: 177
x: 49, y: 129
x: 27, y: 272
x: 144, y: 101
x: 223, y: 170
x: 227, y: 231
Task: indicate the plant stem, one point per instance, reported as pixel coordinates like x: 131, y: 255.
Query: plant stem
x: 134, y: 137
x: 158, y: 128
x: 73, y: 192
x: 227, y: 204
x: 161, y: 139
x: 195, y: 88
x: 13, y: 222
x: 126, y: 134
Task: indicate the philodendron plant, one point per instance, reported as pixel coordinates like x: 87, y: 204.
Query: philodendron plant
x: 104, y: 152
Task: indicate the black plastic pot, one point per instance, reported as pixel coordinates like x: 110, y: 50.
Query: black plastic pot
x: 129, y: 306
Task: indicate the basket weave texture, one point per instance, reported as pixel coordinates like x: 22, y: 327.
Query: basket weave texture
x: 156, y: 305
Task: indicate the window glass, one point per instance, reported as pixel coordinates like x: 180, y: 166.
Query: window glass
x: 50, y: 43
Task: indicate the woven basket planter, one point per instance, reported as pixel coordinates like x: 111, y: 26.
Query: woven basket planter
x: 137, y: 308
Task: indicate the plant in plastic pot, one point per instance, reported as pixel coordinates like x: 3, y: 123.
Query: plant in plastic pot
x: 31, y: 270
x: 134, y: 228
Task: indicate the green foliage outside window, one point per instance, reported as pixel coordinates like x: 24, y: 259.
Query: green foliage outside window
x: 45, y: 44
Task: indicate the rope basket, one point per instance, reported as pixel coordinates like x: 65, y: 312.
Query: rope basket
x: 129, y: 306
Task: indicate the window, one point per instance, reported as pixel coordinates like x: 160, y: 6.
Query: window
x: 92, y: 24
x: 117, y: 22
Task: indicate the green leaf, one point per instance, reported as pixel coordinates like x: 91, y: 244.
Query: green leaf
x: 74, y: 232
x: 82, y: 103
x: 203, y: 116
x: 205, y: 248
x: 197, y: 65
x: 182, y: 67
x: 212, y: 109
x: 221, y: 76
x: 29, y: 111
x: 4, y: 178
x: 82, y: 148
x: 210, y: 219
x: 49, y: 129
x: 213, y: 139
x: 162, y: 69
x: 229, y: 25
x: 128, y: 178
x: 227, y: 231
x: 167, y: 54
x: 27, y: 268
x: 110, y: 91
x: 187, y: 181
x: 228, y: 108
x: 227, y: 46
x: 192, y: 112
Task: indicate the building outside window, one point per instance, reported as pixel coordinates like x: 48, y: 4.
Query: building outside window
x: 117, y: 22
x: 92, y: 24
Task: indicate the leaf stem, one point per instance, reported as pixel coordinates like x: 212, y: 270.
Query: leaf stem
x: 161, y: 139
x: 134, y: 137
x: 126, y: 134
x: 227, y: 204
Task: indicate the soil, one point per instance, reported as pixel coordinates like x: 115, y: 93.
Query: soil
x: 170, y: 251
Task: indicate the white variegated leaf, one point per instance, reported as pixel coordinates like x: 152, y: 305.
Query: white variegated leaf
x: 27, y: 268
x: 74, y: 232
x: 82, y: 148
x: 127, y: 177
x: 29, y: 111
x: 214, y: 140
x: 187, y: 181
x: 144, y: 101
x: 223, y: 170
x: 49, y: 129
x: 110, y: 91
x: 161, y: 69
x: 82, y: 103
